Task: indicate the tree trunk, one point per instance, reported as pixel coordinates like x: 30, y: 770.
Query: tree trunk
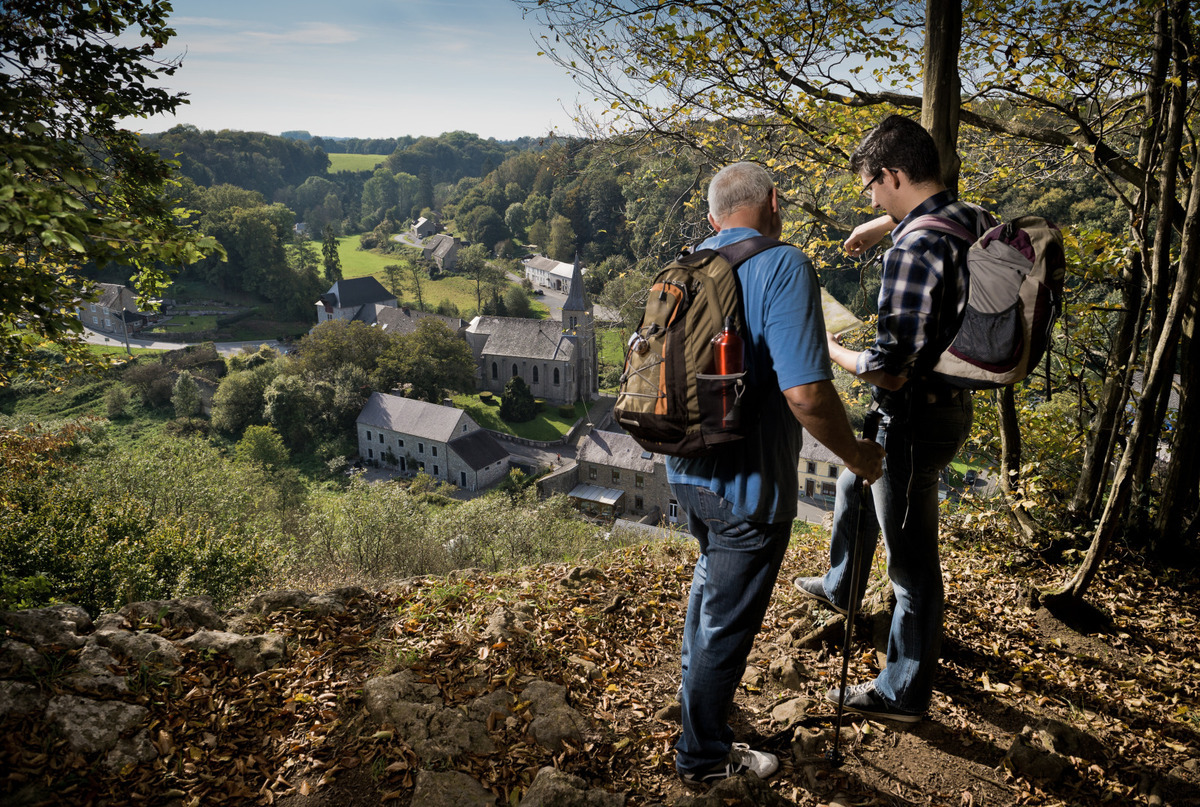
x: 1010, y: 459
x: 941, y: 96
x: 1160, y: 369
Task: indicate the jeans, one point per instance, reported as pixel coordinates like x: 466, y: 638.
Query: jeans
x: 731, y: 588
x: 920, y: 439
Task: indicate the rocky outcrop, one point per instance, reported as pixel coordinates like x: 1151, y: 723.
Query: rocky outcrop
x: 89, y: 666
x: 83, y: 681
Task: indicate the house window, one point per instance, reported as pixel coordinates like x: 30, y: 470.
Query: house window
x: 421, y: 467
x: 555, y: 375
x: 812, y: 467
x: 95, y: 320
x: 399, y: 442
x: 370, y: 453
x: 535, y: 375
x: 381, y: 437
x: 673, y: 510
x: 639, y: 481
x: 403, y: 465
x: 592, y: 473
x: 464, y: 428
x: 368, y: 436
x: 420, y: 448
x: 434, y: 450
x: 833, y: 470
x: 616, y: 475
x: 462, y: 479
x: 435, y: 470
x: 828, y: 489
x: 495, y: 370
x: 514, y: 371
x: 638, y: 503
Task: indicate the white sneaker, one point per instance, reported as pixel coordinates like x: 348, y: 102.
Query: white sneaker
x: 742, y: 759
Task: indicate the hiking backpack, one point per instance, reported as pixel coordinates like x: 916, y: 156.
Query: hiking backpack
x: 1014, y: 276
x: 670, y: 399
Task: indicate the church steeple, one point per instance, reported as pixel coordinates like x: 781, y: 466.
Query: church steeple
x: 577, y: 314
x: 576, y: 298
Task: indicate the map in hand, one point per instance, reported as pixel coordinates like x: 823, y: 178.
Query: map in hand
x: 838, y: 319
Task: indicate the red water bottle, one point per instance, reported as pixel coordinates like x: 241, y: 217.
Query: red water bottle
x: 728, y: 351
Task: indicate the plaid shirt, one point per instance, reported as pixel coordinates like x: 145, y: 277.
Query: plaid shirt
x: 920, y: 303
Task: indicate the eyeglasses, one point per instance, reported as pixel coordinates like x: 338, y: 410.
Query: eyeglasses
x: 866, y: 189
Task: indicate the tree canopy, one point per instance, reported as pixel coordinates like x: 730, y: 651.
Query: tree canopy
x: 76, y: 189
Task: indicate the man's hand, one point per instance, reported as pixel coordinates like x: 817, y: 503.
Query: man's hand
x: 867, y: 235
x: 868, y: 463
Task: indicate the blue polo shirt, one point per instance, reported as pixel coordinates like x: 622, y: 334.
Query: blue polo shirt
x: 785, y: 348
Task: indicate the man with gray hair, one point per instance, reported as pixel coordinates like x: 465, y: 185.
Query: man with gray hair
x: 740, y: 500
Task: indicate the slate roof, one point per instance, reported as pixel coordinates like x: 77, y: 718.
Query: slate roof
x: 418, y: 418
x: 358, y: 291
x: 618, y: 450
x: 575, y: 297
x: 116, y: 297
x: 816, y: 451
x: 545, y: 264
x: 401, y: 320
x: 478, y: 449
x: 524, y: 338
x: 440, y: 245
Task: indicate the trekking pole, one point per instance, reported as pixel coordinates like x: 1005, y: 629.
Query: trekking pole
x: 834, y: 755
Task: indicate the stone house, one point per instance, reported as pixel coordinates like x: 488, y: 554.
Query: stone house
x: 614, y: 477
x: 358, y: 298
x: 412, y: 437
x: 114, y: 312
x: 818, y: 470
x: 558, y: 361
x: 405, y: 319
x: 423, y: 228
x: 551, y: 274
x: 442, y: 249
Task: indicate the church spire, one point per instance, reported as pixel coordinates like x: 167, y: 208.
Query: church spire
x: 576, y: 299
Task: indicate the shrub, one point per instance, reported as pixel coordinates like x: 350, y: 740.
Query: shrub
x: 115, y: 401
x: 518, y: 405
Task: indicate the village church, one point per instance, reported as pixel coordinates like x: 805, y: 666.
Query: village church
x: 557, y: 360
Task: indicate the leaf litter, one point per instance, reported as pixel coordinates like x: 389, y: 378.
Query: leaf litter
x: 298, y: 734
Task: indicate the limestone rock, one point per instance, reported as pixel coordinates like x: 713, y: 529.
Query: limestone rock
x: 553, y: 788
x: 103, y: 727
x: 59, y: 627
x: 17, y: 698
x: 187, y: 613
x: 450, y: 789
x: 250, y: 654
x: 554, y: 721
x: 142, y: 649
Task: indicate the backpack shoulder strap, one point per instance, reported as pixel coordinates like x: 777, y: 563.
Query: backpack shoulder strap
x: 742, y: 251
x: 941, y: 224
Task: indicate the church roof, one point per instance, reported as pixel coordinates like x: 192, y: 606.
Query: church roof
x: 576, y: 299
x: 524, y: 338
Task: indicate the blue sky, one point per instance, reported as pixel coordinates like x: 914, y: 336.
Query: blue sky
x: 364, y: 68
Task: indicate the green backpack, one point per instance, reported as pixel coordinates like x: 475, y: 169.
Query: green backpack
x: 671, y: 399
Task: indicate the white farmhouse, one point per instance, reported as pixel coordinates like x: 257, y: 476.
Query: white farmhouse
x: 417, y: 437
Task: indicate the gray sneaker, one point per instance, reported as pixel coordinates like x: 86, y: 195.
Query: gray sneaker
x: 814, y: 587
x: 742, y: 759
x: 863, y: 699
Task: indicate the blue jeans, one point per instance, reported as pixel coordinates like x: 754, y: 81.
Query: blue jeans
x: 731, y: 588
x: 920, y: 440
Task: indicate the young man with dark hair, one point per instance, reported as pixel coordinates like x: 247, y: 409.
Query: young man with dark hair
x: 924, y: 421
x: 740, y: 500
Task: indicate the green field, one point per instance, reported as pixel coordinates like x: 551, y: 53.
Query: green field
x: 547, y: 426
x: 354, y: 162
x: 360, y: 263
